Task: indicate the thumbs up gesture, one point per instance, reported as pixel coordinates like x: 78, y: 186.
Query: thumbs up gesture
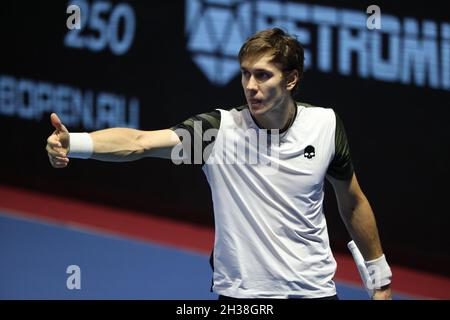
x: 58, y: 144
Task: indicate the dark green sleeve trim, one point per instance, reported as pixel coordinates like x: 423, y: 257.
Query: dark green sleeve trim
x: 341, y: 167
x: 191, y: 133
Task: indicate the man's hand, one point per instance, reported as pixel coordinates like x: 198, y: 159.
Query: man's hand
x: 58, y: 144
x: 383, y: 294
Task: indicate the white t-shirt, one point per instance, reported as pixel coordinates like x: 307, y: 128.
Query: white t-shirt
x: 271, y: 238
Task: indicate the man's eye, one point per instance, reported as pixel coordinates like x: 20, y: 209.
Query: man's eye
x: 245, y: 73
x: 262, y: 75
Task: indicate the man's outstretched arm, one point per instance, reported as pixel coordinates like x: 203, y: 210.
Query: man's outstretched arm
x: 359, y: 220
x: 115, y: 144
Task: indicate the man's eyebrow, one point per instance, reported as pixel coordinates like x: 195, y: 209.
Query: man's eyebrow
x: 256, y: 70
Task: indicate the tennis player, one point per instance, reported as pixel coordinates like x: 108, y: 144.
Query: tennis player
x: 271, y: 238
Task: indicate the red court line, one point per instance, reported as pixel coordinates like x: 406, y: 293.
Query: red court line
x: 110, y: 220
x: 182, y: 235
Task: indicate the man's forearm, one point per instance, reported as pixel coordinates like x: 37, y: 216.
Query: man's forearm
x: 124, y: 144
x: 360, y: 222
x: 117, y: 145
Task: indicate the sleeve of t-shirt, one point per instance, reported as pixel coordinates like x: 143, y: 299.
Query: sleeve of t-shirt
x: 192, y: 135
x: 341, y: 167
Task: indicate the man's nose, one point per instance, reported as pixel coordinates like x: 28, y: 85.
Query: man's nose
x: 252, y: 85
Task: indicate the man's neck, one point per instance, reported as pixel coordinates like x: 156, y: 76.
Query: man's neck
x: 280, y: 117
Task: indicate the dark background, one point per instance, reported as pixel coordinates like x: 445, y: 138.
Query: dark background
x: 398, y: 133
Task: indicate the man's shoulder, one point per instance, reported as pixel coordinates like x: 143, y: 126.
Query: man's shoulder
x: 234, y: 109
x: 214, y: 117
x: 316, y: 110
x: 313, y: 107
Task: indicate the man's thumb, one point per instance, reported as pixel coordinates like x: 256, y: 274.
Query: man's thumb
x: 56, y: 122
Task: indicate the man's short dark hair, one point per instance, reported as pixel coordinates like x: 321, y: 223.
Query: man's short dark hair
x: 287, y: 50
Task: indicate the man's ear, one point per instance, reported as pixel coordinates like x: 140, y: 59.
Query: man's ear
x: 292, y: 79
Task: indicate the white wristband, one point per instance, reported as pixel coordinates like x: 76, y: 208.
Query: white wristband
x: 379, y: 271
x: 81, y: 145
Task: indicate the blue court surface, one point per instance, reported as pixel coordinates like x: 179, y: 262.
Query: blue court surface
x: 35, y: 255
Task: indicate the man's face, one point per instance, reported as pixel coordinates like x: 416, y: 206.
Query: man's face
x: 264, y: 85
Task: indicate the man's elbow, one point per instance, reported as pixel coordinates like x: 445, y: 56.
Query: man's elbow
x: 352, y: 203
x: 142, y: 144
